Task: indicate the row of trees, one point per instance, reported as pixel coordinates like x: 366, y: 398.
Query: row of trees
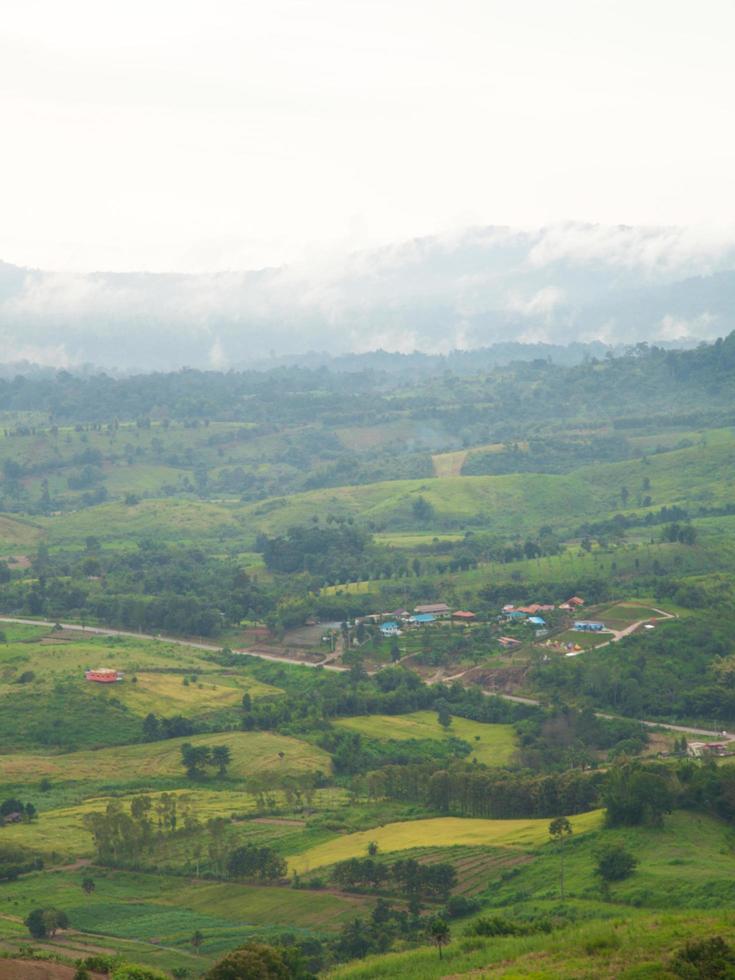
x: 411, y: 879
x: 468, y: 791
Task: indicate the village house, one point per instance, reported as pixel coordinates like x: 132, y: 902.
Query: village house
x: 439, y: 609
x: 464, y: 616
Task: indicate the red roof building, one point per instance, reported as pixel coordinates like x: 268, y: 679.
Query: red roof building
x: 464, y: 615
x: 103, y: 675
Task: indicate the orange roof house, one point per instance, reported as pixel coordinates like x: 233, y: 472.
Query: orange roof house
x: 464, y: 615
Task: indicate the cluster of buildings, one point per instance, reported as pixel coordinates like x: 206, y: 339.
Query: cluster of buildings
x: 398, y: 619
x: 530, y: 613
x: 698, y: 750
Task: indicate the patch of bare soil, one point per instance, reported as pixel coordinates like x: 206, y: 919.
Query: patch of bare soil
x: 503, y: 679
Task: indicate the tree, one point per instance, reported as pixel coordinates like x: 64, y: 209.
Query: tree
x: 559, y: 830
x: 614, y: 863
x: 443, y: 715
x: 372, y: 848
x: 221, y: 757
x: 253, y: 961
x: 197, y: 940
x: 43, y: 923
x: 151, y: 728
x: 88, y: 885
x: 439, y: 934
x: 422, y: 510
x: 395, y: 650
x: 195, y: 758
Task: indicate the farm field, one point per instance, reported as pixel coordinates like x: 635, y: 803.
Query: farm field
x: 165, y: 911
x: 252, y: 752
x: 167, y: 694
x: 437, y: 832
x: 492, y: 745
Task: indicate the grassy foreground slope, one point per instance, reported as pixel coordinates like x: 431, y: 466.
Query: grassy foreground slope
x: 629, y: 946
x: 438, y: 832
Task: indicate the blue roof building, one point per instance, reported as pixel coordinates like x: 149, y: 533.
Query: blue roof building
x: 423, y: 618
x: 537, y: 620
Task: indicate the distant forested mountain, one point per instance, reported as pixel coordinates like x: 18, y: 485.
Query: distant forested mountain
x: 482, y: 288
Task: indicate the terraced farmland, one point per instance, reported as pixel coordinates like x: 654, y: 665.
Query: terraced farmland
x: 437, y: 832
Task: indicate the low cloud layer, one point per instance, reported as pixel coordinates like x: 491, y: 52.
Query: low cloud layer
x: 559, y: 284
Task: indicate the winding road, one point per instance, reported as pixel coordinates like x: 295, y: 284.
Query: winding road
x: 214, y: 648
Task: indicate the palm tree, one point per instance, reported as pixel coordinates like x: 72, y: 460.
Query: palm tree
x: 439, y: 934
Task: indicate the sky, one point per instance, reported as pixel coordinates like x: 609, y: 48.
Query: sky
x: 176, y: 135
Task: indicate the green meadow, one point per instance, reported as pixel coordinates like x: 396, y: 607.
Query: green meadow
x: 492, y: 745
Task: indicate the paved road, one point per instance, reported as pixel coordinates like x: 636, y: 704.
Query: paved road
x: 211, y: 647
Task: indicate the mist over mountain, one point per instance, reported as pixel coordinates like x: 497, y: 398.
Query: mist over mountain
x: 563, y: 284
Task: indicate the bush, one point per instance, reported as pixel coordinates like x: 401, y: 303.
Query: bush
x: 702, y: 960
x: 458, y: 906
x: 253, y: 961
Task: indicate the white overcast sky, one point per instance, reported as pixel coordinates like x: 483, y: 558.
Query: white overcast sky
x: 197, y: 136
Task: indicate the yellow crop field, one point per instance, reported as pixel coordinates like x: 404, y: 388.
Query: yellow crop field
x: 438, y: 832
x: 492, y: 745
x: 252, y: 752
x: 167, y: 694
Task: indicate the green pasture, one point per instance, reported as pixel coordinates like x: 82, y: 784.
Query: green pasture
x: 493, y: 745
x: 18, y: 535
x: 66, y: 655
x: 689, y: 863
x: 170, y: 519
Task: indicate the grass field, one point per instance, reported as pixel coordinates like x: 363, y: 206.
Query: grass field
x: 61, y: 832
x: 166, y: 694
x: 252, y: 752
x: 18, y: 534
x: 690, y: 863
x: 438, y: 832
x: 492, y: 745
